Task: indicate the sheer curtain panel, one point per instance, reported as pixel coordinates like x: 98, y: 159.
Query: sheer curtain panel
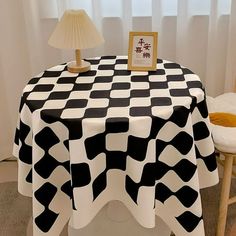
x: 199, y: 34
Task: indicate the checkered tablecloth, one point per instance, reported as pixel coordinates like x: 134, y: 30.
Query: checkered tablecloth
x: 113, y: 134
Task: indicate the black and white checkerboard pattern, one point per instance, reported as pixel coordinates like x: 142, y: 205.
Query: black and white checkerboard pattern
x: 138, y: 137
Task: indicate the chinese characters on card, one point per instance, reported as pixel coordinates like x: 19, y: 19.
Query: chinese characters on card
x: 142, y: 51
x: 143, y: 48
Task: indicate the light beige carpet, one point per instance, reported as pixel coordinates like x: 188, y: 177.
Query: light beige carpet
x: 210, y: 202
x: 15, y: 211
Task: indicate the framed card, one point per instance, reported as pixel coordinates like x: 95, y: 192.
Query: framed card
x: 142, y: 52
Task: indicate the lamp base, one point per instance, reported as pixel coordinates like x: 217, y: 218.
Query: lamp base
x: 74, y: 68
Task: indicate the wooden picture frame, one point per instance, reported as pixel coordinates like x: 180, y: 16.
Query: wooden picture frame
x: 142, y: 52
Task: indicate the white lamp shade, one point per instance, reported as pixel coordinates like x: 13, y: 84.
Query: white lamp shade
x: 75, y: 30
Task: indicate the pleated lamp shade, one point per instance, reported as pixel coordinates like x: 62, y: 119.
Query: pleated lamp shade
x: 76, y: 31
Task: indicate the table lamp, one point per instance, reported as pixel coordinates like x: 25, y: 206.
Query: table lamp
x: 76, y: 31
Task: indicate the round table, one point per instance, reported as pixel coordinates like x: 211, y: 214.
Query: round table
x: 142, y: 138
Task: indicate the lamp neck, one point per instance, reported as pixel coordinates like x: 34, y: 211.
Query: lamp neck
x: 78, y: 57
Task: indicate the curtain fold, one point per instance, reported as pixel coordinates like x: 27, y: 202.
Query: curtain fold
x: 127, y: 22
x: 182, y: 52
x: 203, y: 41
x: 157, y: 16
x: 230, y: 72
x: 34, y: 35
x: 14, y: 70
x: 213, y: 58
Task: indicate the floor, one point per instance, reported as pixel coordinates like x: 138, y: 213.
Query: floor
x: 105, y: 223
x: 8, y: 171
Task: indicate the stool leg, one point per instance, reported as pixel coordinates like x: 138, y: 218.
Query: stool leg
x: 224, y: 196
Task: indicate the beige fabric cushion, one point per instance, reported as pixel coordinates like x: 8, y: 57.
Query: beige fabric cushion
x: 224, y: 137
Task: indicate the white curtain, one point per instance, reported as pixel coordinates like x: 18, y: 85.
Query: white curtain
x: 199, y: 34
